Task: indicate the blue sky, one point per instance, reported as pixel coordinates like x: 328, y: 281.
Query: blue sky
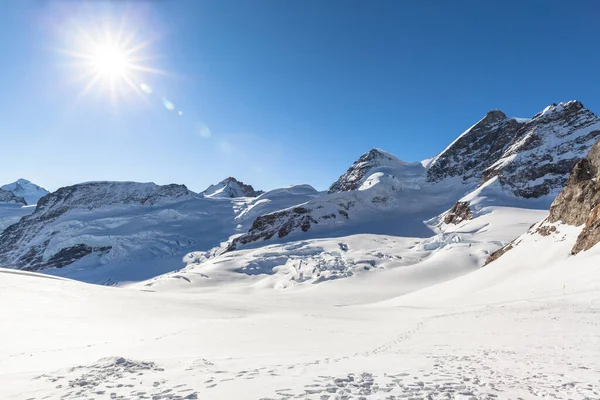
x: 291, y: 91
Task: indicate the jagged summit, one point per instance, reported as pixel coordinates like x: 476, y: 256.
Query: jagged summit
x: 531, y: 157
x: 231, y: 188
x: 27, y: 190
x: 377, y: 160
x: 476, y: 149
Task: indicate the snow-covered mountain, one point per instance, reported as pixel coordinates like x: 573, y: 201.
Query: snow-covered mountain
x: 231, y: 188
x: 528, y: 158
x: 108, y: 232
x: 27, y: 190
x: 386, y: 300
x: 104, y: 231
x: 531, y: 157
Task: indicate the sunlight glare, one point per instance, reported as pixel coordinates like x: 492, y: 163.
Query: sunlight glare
x: 110, y: 60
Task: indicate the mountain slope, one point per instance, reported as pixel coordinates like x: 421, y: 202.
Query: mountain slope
x: 8, y: 197
x: 110, y: 232
x: 27, y: 190
x: 531, y: 158
x: 231, y: 188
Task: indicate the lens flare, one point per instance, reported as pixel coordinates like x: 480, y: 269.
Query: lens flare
x: 168, y: 105
x: 145, y: 88
x: 110, y: 60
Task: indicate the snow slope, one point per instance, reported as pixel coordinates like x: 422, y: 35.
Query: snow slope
x: 111, y: 232
x: 26, y: 189
x: 525, y: 326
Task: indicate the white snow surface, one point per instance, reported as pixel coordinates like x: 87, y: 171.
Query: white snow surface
x: 150, y: 239
x: 427, y: 323
x: 11, y: 213
x: 27, y: 190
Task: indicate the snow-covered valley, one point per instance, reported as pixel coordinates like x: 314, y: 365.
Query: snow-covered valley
x: 459, y: 277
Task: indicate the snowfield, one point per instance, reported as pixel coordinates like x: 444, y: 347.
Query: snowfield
x: 491, y: 334
x: 412, y: 318
x: 384, y: 287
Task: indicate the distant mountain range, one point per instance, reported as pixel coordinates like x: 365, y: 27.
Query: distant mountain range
x: 116, y: 232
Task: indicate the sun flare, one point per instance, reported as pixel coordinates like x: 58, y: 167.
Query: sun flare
x: 110, y: 60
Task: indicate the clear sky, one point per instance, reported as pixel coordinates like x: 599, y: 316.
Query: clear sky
x: 274, y: 92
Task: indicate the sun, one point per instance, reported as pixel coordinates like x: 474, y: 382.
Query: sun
x: 109, y: 60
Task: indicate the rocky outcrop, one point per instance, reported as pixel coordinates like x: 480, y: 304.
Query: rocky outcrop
x: 282, y: 223
x: 579, y: 202
x: 458, y: 213
x: 498, y: 253
x: 590, y: 235
x: 231, y: 188
x: 531, y: 158
x: 581, y: 194
x: 7, y: 196
x: 354, y: 176
x: 26, y: 244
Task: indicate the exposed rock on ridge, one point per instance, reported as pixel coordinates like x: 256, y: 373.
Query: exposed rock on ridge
x: 353, y: 177
x: 7, y: 196
x: 23, y: 247
x: 476, y: 149
x: 531, y: 158
x: 579, y: 202
x: 231, y: 188
x: 458, y: 213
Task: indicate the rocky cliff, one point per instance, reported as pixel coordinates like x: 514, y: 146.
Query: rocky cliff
x: 531, y: 158
x: 578, y: 204
x: 7, y: 196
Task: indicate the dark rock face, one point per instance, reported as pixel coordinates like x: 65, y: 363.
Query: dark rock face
x: 69, y: 255
x: 231, y: 188
x: 531, y: 158
x: 546, y: 149
x: 498, y: 253
x: 351, y: 179
x: 477, y: 149
x: 590, y: 235
x: 458, y: 213
x: 579, y: 202
x: 581, y: 194
x: 23, y: 246
x: 7, y: 196
x: 280, y: 223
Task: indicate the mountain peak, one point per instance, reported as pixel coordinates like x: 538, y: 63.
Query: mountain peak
x: 27, y: 190
x: 495, y: 115
x: 230, y: 188
x: 376, y: 160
